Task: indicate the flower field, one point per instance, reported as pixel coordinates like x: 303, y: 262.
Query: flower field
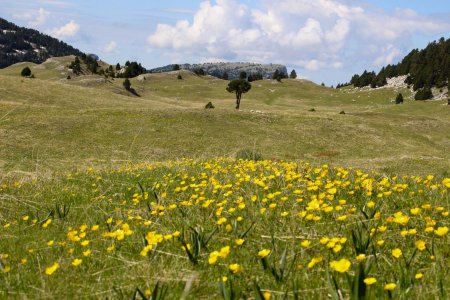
x: 225, y: 229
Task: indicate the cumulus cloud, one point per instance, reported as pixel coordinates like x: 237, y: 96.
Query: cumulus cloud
x: 311, y: 34
x: 110, y: 47
x: 34, y: 18
x: 68, y: 30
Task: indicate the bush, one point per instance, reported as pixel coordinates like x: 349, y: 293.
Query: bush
x: 424, y: 94
x: 26, y: 72
x: 179, y: 76
x: 399, y: 99
x: 249, y: 154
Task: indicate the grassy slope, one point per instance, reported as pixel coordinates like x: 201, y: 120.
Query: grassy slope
x: 50, y: 123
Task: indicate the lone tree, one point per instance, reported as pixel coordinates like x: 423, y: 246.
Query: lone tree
x: 26, y: 72
x: 127, y: 84
x: 399, y: 99
x: 293, y: 74
x: 239, y: 87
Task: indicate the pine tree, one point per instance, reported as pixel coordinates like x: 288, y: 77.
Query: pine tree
x: 127, y: 84
x: 399, y: 99
x: 293, y: 74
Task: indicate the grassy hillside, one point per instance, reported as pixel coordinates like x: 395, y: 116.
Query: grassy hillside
x: 50, y: 123
x: 104, y: 194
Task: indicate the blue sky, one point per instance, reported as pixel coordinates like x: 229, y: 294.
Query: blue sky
x: 323, y: 40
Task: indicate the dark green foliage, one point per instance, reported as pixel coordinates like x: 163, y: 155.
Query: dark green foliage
x: 293, y: 74
x: 225, y: 76
x: 20, y: 38
x: 277, y: 75
x: 90, y: 62
x: 249, y: 154
x: 200, y: 72
x: 132, y: 69
x: 239, y: 87
x: 75, y: 66
x: 127, y: 84
x: 427, y: 67
x: 243, y: 75
x: 176, y: 67
x: 424, y: 94
x: 179, y: 77
x: 255, y: 77
x: 26, y: 72
x: 399, y: 99
x: 68, y: 77
x: 118, y: 67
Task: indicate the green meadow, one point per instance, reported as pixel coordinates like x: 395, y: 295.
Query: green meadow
x: 107, y: 195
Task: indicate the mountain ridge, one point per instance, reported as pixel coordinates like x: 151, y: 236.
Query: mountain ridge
x: 20, y: 44
x: 231, y: 69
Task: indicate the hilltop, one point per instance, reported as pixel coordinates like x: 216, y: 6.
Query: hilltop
x: 20, y: 44
x: 227, y: 70
x: 426, y: 68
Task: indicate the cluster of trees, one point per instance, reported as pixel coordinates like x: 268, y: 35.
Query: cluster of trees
x: 90, y: 62
x: 425, y: 68
x: 26, y: 40
x: 132, y: 69
x: 369, y: 79
x: 278, y: 76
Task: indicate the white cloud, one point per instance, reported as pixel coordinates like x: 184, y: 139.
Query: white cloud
x: 110, y: 47
x: 321, y: 34
x: 68, y: 30
x: 34, y: 18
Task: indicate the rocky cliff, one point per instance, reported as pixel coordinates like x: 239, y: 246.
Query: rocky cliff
x: 231, y: 69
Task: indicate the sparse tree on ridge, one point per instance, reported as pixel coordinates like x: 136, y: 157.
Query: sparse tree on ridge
x: 293, y: 74
x: 239, y: 87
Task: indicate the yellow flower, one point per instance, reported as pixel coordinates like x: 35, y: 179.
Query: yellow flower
x: 76, y: 262
x: 267, y: 295
x: 390, y: 286
x: 6, y: 269
x: 224, y: 252
x: 95, y: 227
x: 50, y: 270
x: 305, y: 243
x: 235, y: 268
x: 228, y: 228
x: 264, y: 253
x: 370, y: 280
x: 25, y: 218
x: 314, y: 261
x: 340, y: 266
x: 110, y: 248
x: 48, y: 222
x: 420, y: 245
x: 441, y: 231
x: 396, y: 253
x: 213, y: 257
x: 418, y: 276
x: 87, y: 252
x: 361, y: 257
x: 239, y: 242
x: 400, y: 218
x: 84, y: 243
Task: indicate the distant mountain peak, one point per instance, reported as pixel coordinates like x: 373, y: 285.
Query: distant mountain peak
x: 231, y: 69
